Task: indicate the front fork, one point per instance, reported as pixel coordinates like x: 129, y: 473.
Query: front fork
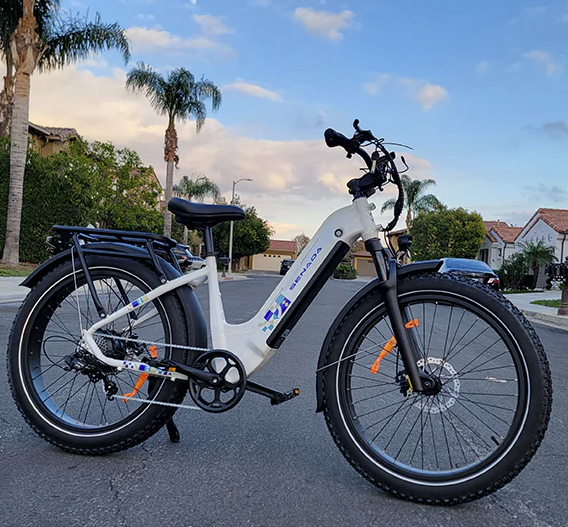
x: 388, y: 281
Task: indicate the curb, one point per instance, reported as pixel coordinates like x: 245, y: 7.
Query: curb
x: 556, y: 321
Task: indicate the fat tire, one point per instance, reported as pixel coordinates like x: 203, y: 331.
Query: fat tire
x: 154, y: 418
x: 539, y: 404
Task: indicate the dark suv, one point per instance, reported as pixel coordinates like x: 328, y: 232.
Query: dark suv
x: 285, y: 265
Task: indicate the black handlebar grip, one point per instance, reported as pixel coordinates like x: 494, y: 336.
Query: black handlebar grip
x: 333, y: 139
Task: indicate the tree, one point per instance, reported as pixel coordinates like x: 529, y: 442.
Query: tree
x: 251, y: 236
x: 52, y: 43
x: 537, y: 254
x: 87, y: 183
x: 415, y: 201
x: 447, y: 233
x: 197, y: 189
x: 179, y: 98
x: 301, y: 241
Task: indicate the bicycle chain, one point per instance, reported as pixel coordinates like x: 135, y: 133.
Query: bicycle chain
x: 150, y: 343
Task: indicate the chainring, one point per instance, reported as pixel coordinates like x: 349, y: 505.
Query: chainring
x: 229, y: 391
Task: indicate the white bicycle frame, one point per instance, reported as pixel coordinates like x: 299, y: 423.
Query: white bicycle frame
x: 248, y: 341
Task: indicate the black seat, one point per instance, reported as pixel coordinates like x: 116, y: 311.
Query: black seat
x: 200, y: 216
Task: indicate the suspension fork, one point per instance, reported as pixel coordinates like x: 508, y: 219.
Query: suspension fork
x: 387, y: 272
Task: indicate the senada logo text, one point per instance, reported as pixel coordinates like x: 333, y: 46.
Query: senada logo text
x: 306, y: 267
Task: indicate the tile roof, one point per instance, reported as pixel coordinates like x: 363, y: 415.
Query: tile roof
x: 62, y: 134
x: 556, y: 218
x: 282, y: 245
x: 490, y: 225
x: 506, y: 233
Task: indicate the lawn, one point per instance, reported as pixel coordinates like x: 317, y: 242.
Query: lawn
x: 24, y: 269
x: 547, y: 303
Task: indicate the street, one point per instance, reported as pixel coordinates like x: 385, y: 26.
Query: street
x: 257, y: 464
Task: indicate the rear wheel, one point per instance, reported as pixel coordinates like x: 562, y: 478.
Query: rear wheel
x: 481, y: 425
x: 61, y: 389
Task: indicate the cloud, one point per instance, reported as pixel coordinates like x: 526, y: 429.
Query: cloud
x: 431, y: 94
x: 253, y: 90
x: 543, y: 59
x: 556, y: 129
x: 428, y: 95
x: 544, y: 192
x: 294, y: 182
x: 323, y: 23
x: 528, y: 13
x: 211, y: 25
x: 145, y: 17
x: 482, y: 67
x: 159, y: 41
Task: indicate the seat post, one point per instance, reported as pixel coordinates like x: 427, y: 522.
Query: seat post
x: 208, y: 241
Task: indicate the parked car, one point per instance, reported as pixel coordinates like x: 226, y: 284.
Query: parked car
x: 186, y: 260
x: 474, y: 269
x: 285, y: 265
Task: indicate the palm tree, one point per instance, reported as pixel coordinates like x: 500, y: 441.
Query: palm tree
x: 537, y: 254
x: 43, y: 43
x: 415, y: 201
x: 195, y: 189
x: 179, y: 97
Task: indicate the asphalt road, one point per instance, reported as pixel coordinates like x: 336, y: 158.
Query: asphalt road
x: 257, y: 464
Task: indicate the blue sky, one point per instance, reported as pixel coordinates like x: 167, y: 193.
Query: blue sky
x: 477, y: 88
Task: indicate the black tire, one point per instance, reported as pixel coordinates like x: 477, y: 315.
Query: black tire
x: 476, y: 445
x: 46, y: 321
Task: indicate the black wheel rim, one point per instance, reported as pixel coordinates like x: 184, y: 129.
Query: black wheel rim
x: 71, y: 399
x: 466, y: 427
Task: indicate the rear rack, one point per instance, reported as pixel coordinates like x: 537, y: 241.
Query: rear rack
x: 85, y: 240
x: 108, y: 235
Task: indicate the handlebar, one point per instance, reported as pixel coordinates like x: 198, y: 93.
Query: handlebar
x: 381, y: 165
x: 333, y: 139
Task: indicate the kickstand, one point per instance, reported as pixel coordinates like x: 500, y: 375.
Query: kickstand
x: 173, y: 431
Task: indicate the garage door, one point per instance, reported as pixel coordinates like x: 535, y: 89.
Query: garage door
x: 267, y: 262
x: 365, y: 267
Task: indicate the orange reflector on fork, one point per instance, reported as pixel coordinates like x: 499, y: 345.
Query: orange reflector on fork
x: 388, y: 347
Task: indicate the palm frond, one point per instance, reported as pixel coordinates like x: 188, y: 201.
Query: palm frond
x: 73, y: 39
x: 208, y: 90
x: 145, y: 79
x: 388, y: 205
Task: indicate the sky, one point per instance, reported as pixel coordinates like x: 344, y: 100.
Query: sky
x: 478, y: 89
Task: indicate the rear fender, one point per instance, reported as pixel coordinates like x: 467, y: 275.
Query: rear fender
x: 372, y: 288
x: 195, y: 321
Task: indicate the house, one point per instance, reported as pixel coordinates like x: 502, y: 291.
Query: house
x: 550, y: 225
x: 499, y: 243
x: 363, y: 263
x: 271, y: 259
x: 49, y: 140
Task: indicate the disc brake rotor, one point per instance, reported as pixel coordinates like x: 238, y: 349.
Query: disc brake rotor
x: 448, y: 377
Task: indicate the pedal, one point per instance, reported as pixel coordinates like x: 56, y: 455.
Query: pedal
x: 275, y: 396
x: 283, y: 397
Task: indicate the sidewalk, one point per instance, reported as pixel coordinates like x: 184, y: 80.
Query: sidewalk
x: 536, y: 313
x: 10, y: 290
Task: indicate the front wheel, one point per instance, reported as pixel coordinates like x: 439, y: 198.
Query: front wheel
x: 481, y: 425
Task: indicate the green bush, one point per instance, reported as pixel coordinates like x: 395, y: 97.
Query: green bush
x: 345, y: 271
x: 95, y: 184
x: 513, y: 272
